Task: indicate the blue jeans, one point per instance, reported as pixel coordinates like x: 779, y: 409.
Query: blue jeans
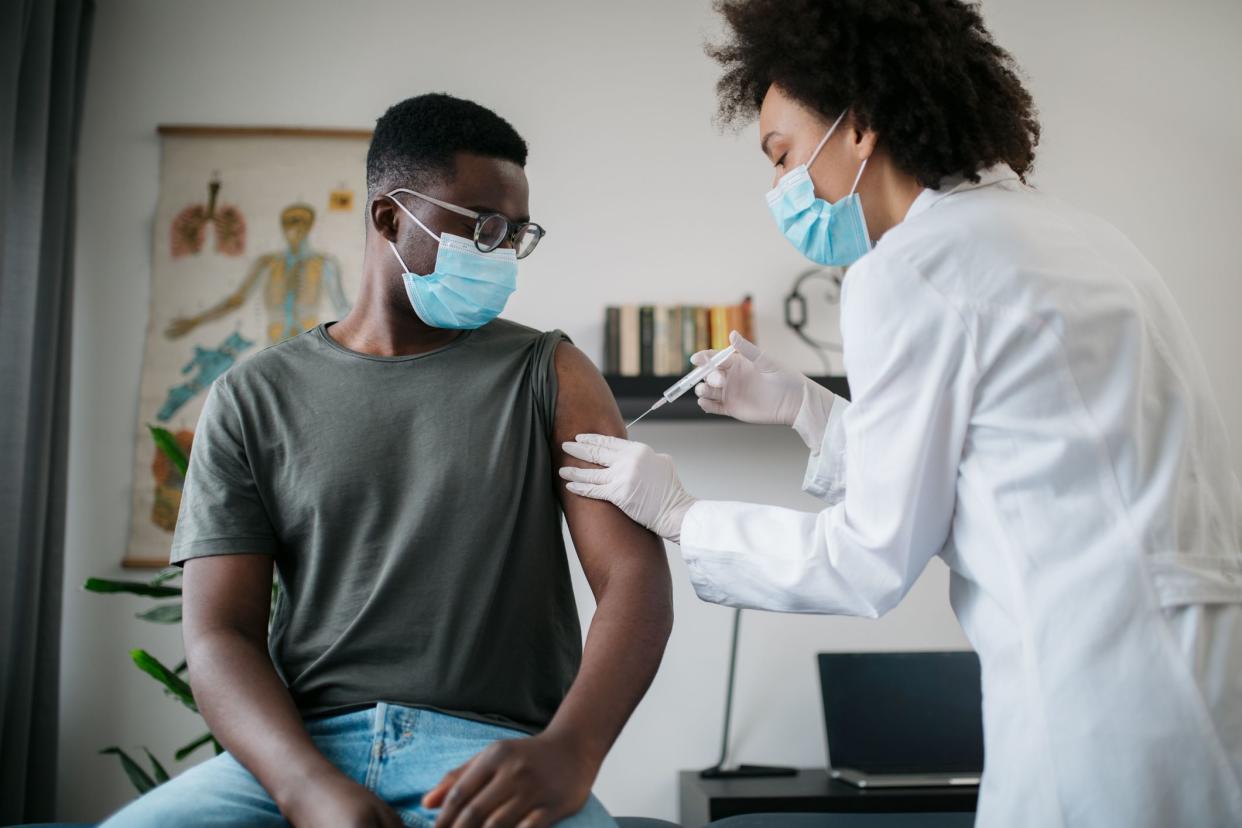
x: 398, y: 752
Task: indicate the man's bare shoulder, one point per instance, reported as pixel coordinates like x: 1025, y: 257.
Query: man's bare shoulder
x: 584, y: 401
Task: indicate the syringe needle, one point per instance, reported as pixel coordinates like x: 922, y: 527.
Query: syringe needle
x: 640, y: 416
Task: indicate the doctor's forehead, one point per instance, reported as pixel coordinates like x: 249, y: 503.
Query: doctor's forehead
x: 782, y: 117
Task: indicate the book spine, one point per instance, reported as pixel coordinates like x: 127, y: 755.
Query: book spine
x: 612, y: 340
x: 689, y: 339
x: 630, y: 347
x: 719, y: 326
x: 646, y: 339
x: 660, y: 344
x: 702, y: 329
x: 734, y: 321
x: 672, y: 353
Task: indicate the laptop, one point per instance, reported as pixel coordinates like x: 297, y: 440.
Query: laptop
x: 898, y: 720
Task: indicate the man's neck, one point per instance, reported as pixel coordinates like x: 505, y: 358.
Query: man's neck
x: 382, y: 323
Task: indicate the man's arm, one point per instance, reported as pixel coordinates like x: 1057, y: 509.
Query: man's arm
x: 626, y: 566
x: 534, y: 782
x: 248, y: 708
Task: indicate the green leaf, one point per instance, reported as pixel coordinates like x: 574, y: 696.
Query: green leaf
x: 132, y: 587
x: 163, y: 614
x: 165, y: 574
x: 219, y: 747
x: 173, y: 683
x: 167, y: 443
x: 193, y: 746
x: 181, y: 668
x: 136, y: 774
x: 160, y: 774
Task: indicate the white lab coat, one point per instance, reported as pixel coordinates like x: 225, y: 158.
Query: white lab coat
x: 1028, y: 404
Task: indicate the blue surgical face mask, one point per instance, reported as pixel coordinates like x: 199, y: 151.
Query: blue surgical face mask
x: 829, y: 234
x: 468, y: 287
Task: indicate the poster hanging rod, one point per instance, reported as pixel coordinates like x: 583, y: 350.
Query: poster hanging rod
x: 260, y: 131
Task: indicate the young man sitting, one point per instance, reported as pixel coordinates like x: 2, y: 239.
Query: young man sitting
x: 398, y: 469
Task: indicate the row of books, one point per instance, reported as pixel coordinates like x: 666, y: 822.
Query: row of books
x: 657, y: 340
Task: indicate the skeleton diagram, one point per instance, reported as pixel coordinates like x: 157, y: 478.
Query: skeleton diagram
x: 296, y: 280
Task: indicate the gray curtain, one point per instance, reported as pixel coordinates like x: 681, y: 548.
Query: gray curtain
x: 42, y: 71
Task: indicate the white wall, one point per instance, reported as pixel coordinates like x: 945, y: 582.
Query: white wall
x: 616, y: 101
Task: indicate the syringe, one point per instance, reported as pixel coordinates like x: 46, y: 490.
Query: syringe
x: 688, y: 381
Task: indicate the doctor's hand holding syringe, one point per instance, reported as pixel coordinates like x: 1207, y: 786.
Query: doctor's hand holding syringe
x: 752, y: 388
x: 739, y: 381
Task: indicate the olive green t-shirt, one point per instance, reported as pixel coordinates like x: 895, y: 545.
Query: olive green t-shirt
x: 411, y: 509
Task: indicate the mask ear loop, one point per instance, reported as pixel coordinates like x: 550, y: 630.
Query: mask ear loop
x: 398, y: 255
x: 406, y: 210
x: 824, y: 140
x: 416, y: 221
x: 858, y: 177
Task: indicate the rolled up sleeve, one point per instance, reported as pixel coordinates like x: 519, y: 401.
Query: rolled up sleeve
x: 825, y: 469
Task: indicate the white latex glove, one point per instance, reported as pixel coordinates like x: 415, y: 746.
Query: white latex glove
x: 640, y: 482
x: 751, y: 386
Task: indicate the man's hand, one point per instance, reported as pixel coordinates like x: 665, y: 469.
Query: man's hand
x: 520, y: 783
x: 336, y: 801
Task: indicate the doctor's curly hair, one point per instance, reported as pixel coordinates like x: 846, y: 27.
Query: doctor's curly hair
x: 926, y: 75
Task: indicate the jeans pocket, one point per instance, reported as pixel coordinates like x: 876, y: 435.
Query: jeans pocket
x: 417, y: 819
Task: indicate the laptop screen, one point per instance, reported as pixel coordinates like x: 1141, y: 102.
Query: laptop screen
x: 903, y: 712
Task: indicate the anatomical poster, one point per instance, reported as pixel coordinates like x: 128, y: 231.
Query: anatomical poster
x: 257, y: 237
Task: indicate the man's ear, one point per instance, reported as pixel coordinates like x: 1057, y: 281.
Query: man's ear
x: 384, y: 219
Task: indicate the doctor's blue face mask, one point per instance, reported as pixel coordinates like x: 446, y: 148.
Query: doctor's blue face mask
x: 828, y: 234
x: 468, y: 287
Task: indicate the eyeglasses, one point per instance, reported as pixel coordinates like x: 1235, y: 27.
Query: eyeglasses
x: 491, y: 230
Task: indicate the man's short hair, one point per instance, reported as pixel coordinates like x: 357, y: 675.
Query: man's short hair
x: 414, y: 141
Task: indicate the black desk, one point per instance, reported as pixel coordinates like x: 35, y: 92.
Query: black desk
x: 811, y: 791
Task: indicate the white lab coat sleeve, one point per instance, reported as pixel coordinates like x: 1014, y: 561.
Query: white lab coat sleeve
x: 912, y: 373
x: 820, y: 424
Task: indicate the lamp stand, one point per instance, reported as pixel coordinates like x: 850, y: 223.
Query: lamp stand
x: 719, y: 771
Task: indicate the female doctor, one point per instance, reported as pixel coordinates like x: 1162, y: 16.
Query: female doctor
x: 1028, y: 404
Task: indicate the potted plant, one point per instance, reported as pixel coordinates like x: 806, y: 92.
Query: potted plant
x: 165, y: 588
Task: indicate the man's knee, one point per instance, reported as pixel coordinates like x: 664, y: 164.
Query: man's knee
x: 592, y: 815
x: 218, y: 792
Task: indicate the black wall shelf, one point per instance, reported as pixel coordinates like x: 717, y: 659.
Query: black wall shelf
x: 636, y: 394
